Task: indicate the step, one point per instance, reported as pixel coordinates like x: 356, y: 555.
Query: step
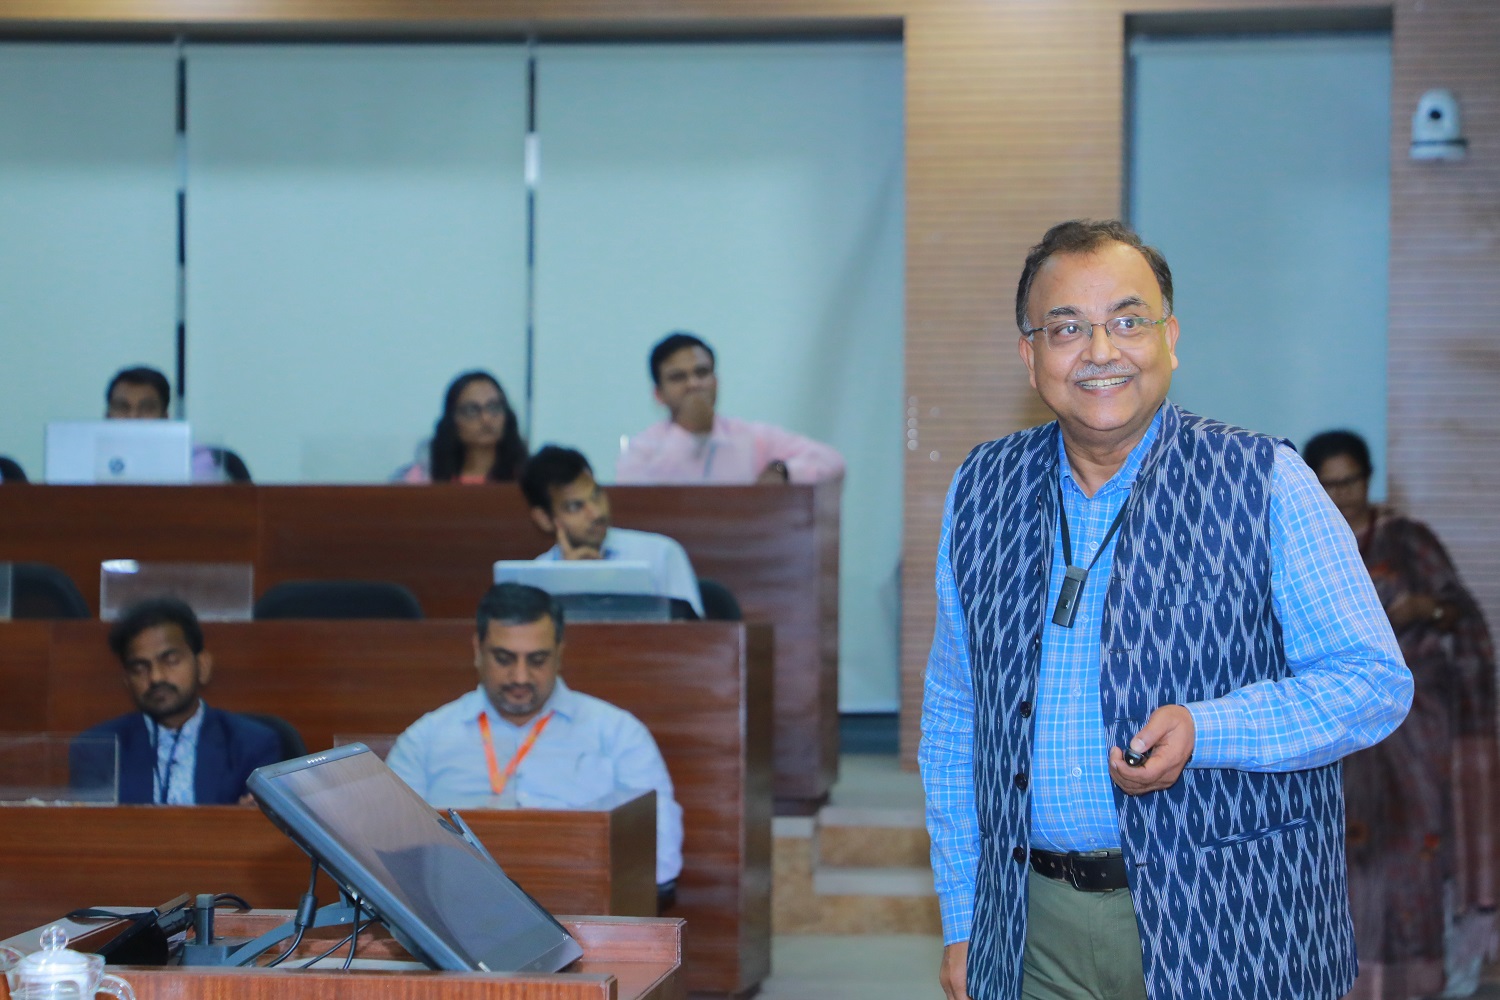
x: 809, y: 896
x: 869, y: 837
x: 903, y: 882
x: 863, y: 901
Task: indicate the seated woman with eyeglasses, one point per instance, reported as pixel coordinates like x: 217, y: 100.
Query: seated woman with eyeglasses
x: 476, y: 439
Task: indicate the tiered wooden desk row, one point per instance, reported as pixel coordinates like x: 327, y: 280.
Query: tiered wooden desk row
x: 704, y: 690
x: 777, y: 549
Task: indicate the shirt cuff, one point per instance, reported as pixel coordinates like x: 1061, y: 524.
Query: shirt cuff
x: 1218, y: 738
x: 958, y: 916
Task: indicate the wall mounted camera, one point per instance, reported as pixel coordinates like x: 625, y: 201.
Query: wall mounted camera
x: 1436, y: 131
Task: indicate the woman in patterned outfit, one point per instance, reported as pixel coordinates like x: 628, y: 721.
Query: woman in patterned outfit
x: 1421, y: 805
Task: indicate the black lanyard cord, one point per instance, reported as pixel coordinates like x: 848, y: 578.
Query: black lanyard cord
x: 1076, y: 576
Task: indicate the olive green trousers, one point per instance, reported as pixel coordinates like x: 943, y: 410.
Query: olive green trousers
x: 1080, y: 945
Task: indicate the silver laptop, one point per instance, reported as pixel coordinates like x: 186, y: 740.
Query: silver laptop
x: 594, y: 590
x: 119, y: 451
x: 580, y: 576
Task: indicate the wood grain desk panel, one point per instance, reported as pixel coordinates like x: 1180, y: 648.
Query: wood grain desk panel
x: 703, y: 688
x: 75, y: 528
x: 24, y: 657
x: 438, y: 540
x: 54, y: 859
x: 624, y: 959
x: 776, y: 548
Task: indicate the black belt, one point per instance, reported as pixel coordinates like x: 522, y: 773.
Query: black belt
x: 1094, y: 871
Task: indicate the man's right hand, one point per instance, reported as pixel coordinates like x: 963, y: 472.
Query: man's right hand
x: 571, y: 551
x: 696, y: 413
x: 954, y: 973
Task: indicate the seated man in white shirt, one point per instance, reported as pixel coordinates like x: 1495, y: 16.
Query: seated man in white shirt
x: 568, y: 505
x: 524, y: 738
x: 696, y: 445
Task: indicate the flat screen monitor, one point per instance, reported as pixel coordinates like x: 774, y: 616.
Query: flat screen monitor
x: 119, y: 451
x: 444, y: 899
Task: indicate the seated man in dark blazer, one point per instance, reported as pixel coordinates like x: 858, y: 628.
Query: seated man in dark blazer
x: 177, y: 750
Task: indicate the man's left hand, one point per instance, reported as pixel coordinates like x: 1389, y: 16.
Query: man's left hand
x: 1169, y: 734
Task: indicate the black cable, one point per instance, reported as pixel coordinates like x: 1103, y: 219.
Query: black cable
x: 354, y: 941
x: 229, y: 897
x: 336, y: 946
x: 307, y: 911
x: 296, y: 940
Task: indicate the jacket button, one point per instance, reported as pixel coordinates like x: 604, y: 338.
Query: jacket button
x: 1019, y: 855
x: 1036, y: 642
x: 1025, y: 709
x: 1022, y: 781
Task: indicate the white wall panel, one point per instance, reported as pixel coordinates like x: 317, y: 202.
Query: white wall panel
x: 1261, y: 168
x: 88, y: 243
x: 356, y: 236
x: 752, y: 194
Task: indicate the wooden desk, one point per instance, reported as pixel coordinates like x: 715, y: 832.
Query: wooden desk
x: 777, y: 549
x: 703, y: 689
x: 624, y: 958
x: 54, y: 859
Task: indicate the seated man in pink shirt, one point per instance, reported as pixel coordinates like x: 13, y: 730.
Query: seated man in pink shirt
x: 695, y: 445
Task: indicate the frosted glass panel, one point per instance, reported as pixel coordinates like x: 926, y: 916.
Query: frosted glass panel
x: 356, y: 237
x: 1262, y: 169
x: 88, y: 251
x: 754, y: 195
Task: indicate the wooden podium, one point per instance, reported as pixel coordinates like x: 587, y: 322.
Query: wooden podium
x: 59, y: 858
x: 624, y: 958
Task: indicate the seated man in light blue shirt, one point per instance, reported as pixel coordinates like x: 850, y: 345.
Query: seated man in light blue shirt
x: 570, y: 506
x: 524, y: 738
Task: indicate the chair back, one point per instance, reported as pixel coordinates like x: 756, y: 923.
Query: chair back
x: 337, y: 599
x: 719, y: 602
x: 230, y: 464
x: 42, y: 591
x: 292, y: 744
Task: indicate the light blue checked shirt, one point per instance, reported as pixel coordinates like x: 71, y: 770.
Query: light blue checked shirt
x: 588, y: 752
x: 1349, y: 679
x: 176, y: 760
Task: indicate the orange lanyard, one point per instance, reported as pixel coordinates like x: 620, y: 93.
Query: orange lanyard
x: 498, y: 781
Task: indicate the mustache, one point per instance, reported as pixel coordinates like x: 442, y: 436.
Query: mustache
x: 162, y: 687
x: 1091, y: 370
x: 518, y: 689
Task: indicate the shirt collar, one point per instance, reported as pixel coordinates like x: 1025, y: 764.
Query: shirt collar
x: 717, y: 430
x: 1124, y: 477
x: 564, y: 702
x: 189, y: 730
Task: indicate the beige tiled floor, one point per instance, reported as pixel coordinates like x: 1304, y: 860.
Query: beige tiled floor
x: 853, y: 967
x: 876, y: 780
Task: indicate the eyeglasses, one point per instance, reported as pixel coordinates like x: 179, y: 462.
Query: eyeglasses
x: 471, y: 411
x: 1122, y: 330
x: 1330, y: 485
